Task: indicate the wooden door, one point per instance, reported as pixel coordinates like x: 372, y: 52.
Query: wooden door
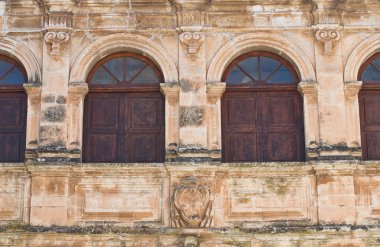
x: 124, y: 111
x: 369, y: 108
x: 13, y: 109
x: 262, y: 118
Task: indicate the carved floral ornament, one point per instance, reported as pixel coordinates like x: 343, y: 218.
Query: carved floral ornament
x: 327, y: 34
x: 191, y: 204
x: 193, y: 40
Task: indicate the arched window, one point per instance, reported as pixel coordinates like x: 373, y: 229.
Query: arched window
x: 124, y: 111
x: 369, y: 107
x: 13, y: 107
x: 262, y: 111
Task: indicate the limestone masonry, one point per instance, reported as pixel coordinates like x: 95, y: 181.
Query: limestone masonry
x: 195, y: 157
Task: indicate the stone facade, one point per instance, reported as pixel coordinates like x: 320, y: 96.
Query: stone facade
x: 192, y: 199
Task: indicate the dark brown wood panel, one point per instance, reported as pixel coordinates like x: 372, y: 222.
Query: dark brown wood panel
x: 13, y: 108
x: 369, y: 102
x: 262, y: 111
x: 124, y: 111
x: 369, y: 108
x: 262, y: 126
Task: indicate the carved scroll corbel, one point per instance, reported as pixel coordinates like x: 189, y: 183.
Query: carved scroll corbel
x: 193, y: 40
x: 327, y: 34
x: 56, y: 39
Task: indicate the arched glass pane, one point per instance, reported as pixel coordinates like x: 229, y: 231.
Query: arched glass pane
x: 125, y: 69
x: 236, y: 76
x: 134, y: 66
x: 282, y: 75
x: 251, y: 67
x: 10, y: 74
x: 372, y: 71
x: 146, y: 76
x: 268, y: 66
x: 102, y: 76
x: 260, y: 69
x: 115, y: 68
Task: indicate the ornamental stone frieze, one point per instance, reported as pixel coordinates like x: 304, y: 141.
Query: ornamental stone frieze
x: 191, y: 204
x: 193, y: 40
x: 327, y: 34
x: 58, y: 27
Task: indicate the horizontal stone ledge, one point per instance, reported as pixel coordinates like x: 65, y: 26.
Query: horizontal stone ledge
x: 114, y: 229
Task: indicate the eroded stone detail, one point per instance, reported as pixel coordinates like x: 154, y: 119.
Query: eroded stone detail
x: 191, y: 204
x: 191, y: 116
x: 327, y: 34
x: 56, y: 39
x: 193, y: 40
x: 54, y: 114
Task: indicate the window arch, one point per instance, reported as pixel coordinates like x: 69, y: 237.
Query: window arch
x: 369, y: 105
x: 124, y: 111
x: 262, y: 111
x: 13, y: 109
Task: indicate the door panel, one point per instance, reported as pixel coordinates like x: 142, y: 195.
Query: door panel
x: 369, y: 106
x: 124, y: 127
x: 241, y: 111
x: 105, y: 111
x: 283, y: 146
x: 143, y: 147
x: 282, y: 110
x: 103, y: 147
x: 262, y: 125
x: 243, y: 147
x: 145, y: 112
x: 13, y: 109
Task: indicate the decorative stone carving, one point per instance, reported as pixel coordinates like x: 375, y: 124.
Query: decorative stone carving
x: 58, y: 20
x: 193, y: 40
x: 192, y: 204
x: 327, y: 34
x: 191, y: 18
x: 56, y: 39
x: 58, y: 25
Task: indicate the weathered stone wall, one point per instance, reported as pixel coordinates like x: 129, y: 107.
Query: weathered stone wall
x: 192, y: 42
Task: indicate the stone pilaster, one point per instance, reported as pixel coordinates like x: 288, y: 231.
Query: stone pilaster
x: 54, y: 106
x: 33, y: 120
x: 75, y: 115
x: 171, y: 92
x: 309, y: 91
x: 214, y: 132
x: 193, y: 141
x: 351, y: 91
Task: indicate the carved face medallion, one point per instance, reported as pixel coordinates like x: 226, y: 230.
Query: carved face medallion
x: 192, y: 205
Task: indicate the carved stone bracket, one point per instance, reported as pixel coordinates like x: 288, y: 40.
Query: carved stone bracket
x: 33, y: 118
x: 56, y: 39
x: 193, y: 40
x: 76, y: 97
x: 171, y: 92
x: 191, y: 204
x: 327, y: 34
x: 58, y: 26
x: 309, y: 90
